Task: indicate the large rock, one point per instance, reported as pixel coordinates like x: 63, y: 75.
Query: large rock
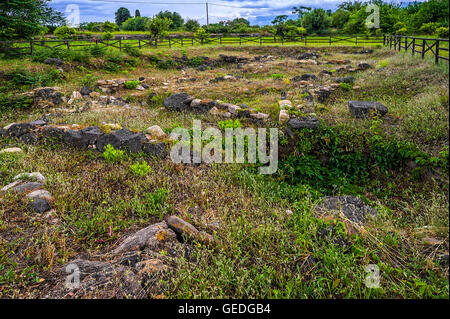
x: 361, y: 109
x: 153, y: 237
x: 155, y: 148
x: 303, y: 122
x: 123, y: 139
x: 176, y: 102
x: 54, y: 61
x: 91, y: 134
x: 345, y: 79
x: 21, y: 187
x: 352, y: 207
x: 308, y: 77
x: 183, y: 228
x: 40, y: 200
x: 18, y: 129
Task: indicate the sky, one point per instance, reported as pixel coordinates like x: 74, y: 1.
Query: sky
x: 256, y: 11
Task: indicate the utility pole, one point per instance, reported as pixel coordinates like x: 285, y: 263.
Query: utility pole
x: 207, y: 16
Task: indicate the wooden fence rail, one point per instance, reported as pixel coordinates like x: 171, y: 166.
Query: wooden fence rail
x: 29, y: 47
x: 418, y: 45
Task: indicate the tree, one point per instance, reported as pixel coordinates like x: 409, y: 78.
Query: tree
x: 316, y: 21
x: 175, y: 17
x: 300, y: 11
x: 23, y: 19
x: 122, y: 15
x: 135, y: 24
x: 339, y: 18
x: 137, y: 14
x: 191, y: 25
x: 158, y: 26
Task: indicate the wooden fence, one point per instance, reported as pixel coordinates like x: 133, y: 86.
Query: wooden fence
x: 418, y: 45
x: 28, y: 47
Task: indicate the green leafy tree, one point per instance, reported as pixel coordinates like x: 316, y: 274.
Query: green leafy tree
x: 137, y: 13
x: 316, y: 21
x: 23, y: 19
x: 158, y: 26
x: 122, y: 15
x: 191, y: 25
x: 175, y: 17
x: 135, y: 24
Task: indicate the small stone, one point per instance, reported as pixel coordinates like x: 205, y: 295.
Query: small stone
x: 156, y: 131
x: 285, y: 103
x: 283, y: 117
x: 36, y: 176
x: 11, y: 150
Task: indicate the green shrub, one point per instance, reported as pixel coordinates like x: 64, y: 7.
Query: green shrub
x: 195, y: 61
x: 442, y: 32
x: 107, y: 36
x: 229, y: 124
x: 131, y: 84
x: 164, y: 64
x: 97, y: 51
x: 345, y: 86
x: 89, y: 80
x: 428, y: 28
x: 9, y: 101
x: 277, y: 76
x: 140, y: 168
x: 64, y: 32
x: 132, y: 51
x: 112, y: 155
x: 82, y: 56
x: 24, y: 79
x: 111, y: 67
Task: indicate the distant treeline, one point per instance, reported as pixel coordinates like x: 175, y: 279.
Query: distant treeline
x: 349, y: 18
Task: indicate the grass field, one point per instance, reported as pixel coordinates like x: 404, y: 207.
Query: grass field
x: 269, y: 242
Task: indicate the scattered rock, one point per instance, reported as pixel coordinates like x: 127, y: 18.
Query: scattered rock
x: 153, y: 237
x: 308, y: 77
x: 122, y: 139
x: 85, y: 90
x: 175, y: 102
x: 156, y: 131
x: 35, y: 176
x: 352, y: 207
x: 283, y: 117
x: 183, y: 228
x: 363, y: 66
x: 360, y: 109
x: 54, y: 61
x: 303, y: 122
x: 11, y: 150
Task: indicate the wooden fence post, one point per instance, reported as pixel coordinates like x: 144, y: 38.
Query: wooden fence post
x: 170, y: 44
x: 260, y: 40
x: 139, y: 43
x: 406, y: 44
x: 68, y: 44
x: 384, y: 40
x: 120, y: 44
x: 423, y: 48
x: 413, y: 46
x: 330, y: 39
x: 356, y: 40
x: 306, y: 41
x: 156, y: 43
x: 436, y: 60
x: 31, y: 47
